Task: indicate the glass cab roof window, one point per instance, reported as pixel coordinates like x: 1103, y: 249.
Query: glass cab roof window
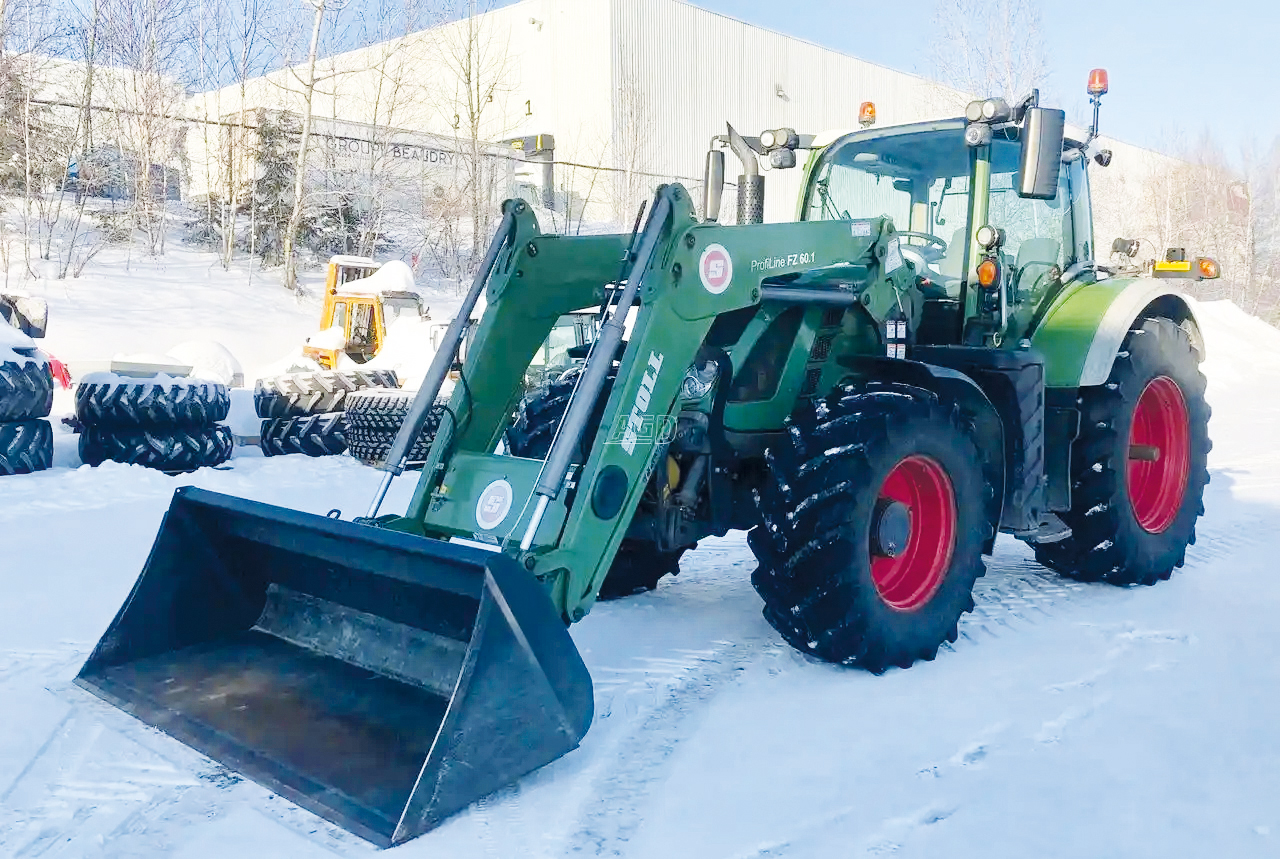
x: 920, y: 179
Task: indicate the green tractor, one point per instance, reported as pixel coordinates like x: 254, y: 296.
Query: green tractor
x: 873, y: 404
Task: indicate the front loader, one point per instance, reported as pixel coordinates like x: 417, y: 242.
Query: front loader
x: 873, y: 404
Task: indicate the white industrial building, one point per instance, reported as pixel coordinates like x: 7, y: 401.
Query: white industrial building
x: 631, y: 91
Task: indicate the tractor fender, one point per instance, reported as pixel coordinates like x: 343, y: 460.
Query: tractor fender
x: 973, y: 402
x: 1082, y: 333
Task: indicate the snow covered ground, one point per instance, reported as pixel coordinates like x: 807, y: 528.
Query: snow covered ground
x: 1069, y: 720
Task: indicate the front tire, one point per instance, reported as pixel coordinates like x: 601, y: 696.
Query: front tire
x: 874, y: 522
x: 1138, y: 465
x: 639, y: 565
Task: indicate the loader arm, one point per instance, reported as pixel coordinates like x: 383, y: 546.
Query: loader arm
x: 469, y: 492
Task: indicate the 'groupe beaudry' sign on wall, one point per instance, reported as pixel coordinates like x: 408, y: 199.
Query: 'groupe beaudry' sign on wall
x: 353, y: 147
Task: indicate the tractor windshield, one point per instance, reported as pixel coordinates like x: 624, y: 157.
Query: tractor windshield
x: 921, y: 180
x: 400, y: 308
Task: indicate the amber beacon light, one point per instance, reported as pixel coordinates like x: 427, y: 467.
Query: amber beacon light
x: 1098, y: 82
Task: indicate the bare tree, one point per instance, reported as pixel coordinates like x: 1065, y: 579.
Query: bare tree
x: 476, y: 56
x: 1264, y: 238
x: 987, y: 48
x: 246, y: 52
x: 308, y: 92
x: 148, y: 42
x: 632, y: 145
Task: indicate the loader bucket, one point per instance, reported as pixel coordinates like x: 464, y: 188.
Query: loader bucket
x: 381, y: 680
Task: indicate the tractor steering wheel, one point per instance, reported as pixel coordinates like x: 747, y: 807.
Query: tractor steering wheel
x: 929, y: 240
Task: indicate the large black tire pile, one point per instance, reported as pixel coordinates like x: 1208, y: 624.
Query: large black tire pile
x: 303, y: 412
x: 171, y: 426
x: 26, y: 397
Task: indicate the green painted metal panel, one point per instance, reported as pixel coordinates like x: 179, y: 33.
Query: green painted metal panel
x: 455, y: 505
x: 1069, y: 328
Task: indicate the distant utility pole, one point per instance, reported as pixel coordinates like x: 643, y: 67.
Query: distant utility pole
x: 308, y: 88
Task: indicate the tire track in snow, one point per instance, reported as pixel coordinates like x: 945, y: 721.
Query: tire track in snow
x: 101, y: 779
x: 641, y: 750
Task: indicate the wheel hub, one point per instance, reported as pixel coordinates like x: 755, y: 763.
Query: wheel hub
x: 1159, y: 459
x: 890, y: 528
x: 913, y: 532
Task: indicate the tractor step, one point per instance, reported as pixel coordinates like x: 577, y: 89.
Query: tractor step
x: 1052, y: 530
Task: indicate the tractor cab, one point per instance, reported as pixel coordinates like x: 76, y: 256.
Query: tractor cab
x: 944, y: 195
x: 991, y: 210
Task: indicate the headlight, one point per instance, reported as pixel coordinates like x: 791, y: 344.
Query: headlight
x: 699, y: 380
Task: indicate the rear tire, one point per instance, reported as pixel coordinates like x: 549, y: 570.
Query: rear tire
x: 841, y: 575
x: 314, y: 435
x: 26, y: 389
x: 1131, y: 523
x: 25, y: 446
x: 302, y: 394
x: 541, y: 411
x: 173, y: 450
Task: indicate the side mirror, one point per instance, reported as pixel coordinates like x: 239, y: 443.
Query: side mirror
x: 1042, y: 133
x: 713, y: 185
x: 33, y: 316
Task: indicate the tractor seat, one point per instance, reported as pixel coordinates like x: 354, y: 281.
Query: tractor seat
x: 1035, y: 259
x: 950, y: 269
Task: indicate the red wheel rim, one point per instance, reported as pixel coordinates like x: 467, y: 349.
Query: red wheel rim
x: 1159, y: 454
x: 910, y: 579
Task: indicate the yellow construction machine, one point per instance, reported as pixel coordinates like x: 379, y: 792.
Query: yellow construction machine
x: 362, y: 298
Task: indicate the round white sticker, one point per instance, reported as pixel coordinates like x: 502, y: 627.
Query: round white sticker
x: 494, y: 505
x: 716, y: 269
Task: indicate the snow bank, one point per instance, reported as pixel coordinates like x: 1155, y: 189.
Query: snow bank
x: 211, y: 360
x: 16, y: 347
x: 395, y: 275
x: 160, y: 380
x: 292, y: 362
x: 332, y: 337
x: 407, y: 349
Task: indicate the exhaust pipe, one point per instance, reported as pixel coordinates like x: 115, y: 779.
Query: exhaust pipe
x: 750, y: 183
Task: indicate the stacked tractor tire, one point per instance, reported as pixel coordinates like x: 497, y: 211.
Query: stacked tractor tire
x: 303, y: 412
x: 166, y: 423
x: 26, y: 397
x: 373, y: 419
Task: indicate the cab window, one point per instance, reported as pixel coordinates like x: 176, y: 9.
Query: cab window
x: 362, y: 324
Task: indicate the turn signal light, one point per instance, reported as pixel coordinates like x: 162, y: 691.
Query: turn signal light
x: 1098, y: 82
x: 987, y: 272
x: 867, y: 114
x: 1209, y: 268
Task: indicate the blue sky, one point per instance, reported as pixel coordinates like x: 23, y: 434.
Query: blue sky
x: 1175, y: 65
